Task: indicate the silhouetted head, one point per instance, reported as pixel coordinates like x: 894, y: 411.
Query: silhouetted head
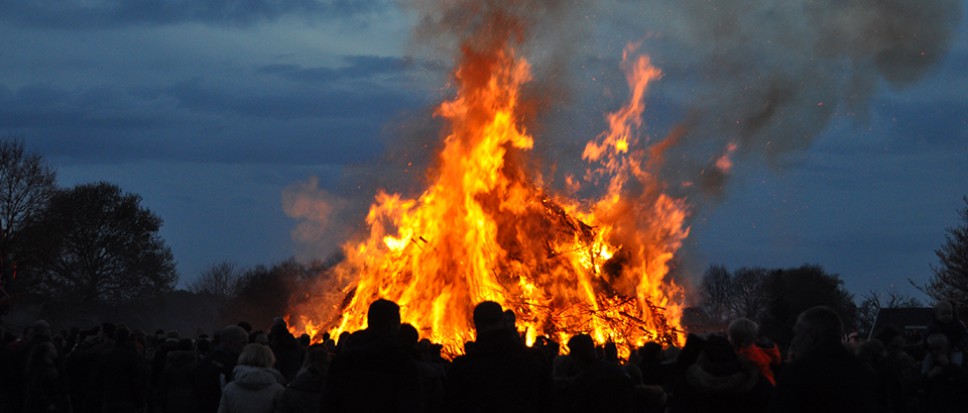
x: 173, y: 335
x: 258, y: 336
x: 40, y: 330
x: 317, y: 358
x: 279, y: 327
x: 816, y: 327
x: 510, y: 320
x: 257, y: 355
x: 718, y: 356
x: 383, y: 315
x: 611, y: 352
x: 742, y: 332
x: 488, y: 316
x: 651, y: 351
x: 944, y: 312
x: 408, y: 336
x: 233, y: 338
x: 581, y: 347
x: 42, y: 354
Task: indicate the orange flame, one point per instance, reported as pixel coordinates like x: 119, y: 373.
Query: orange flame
x: 483, y: 230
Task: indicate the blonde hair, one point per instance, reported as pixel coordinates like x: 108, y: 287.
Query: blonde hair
x: 257, y: 355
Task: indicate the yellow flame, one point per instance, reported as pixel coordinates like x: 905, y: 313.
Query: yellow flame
x: 483, y: 230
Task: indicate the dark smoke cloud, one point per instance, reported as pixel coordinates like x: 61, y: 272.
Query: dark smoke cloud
x: 767, y: 76
x: 770, y: 76
x: 413, y: 138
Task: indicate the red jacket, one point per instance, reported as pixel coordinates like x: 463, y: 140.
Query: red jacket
x: 765, y: 359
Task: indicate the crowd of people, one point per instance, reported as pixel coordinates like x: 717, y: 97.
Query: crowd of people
x: 387, y: 367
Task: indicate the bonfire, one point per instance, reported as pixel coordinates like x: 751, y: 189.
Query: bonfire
x: 487, y: 228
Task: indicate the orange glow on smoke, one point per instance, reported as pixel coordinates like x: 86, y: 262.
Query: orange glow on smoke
x: 484, y: 229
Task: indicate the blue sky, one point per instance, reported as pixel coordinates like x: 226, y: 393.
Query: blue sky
x: 852, y: 119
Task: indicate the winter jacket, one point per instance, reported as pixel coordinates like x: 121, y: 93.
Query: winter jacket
x: 372, y: 374
x: 252, y: 390
x: 303, y: 394
x: 121, y: 377
x: 175, y: 382
x: 739, y: 388
x: 765, y: 359
x: 500, y: 375
x: 208, y: 376
x: 828, y: 379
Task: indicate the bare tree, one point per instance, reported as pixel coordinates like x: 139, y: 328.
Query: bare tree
x: 747, y: 298
x: 874, y: 301
x: 221, y: 280
x: 26, y: 185
x: 716, y: 289
x: 950, y: 281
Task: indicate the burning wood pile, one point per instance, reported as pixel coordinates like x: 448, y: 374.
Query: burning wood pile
x: 486, y: 229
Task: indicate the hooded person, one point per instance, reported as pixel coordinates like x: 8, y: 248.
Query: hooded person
x: 175, y: 383
x: 305, y: 392
x: 255, y: 386
x: 721, y: 381
x: 743, y: 334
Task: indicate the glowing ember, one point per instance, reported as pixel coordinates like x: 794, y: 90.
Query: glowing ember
x: 484, y: 229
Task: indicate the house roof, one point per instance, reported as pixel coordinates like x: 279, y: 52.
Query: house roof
x: 903, y: 318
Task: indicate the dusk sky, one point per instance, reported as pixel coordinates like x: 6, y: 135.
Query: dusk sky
x: 261, y: 129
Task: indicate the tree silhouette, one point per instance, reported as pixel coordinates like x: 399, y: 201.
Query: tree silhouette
x: 221, y: 280
x: 950, y: 280
x: 873, y: 303
x: 26, y: 184
x: 791, y: 291
x: 774, y: 298
x: 747, y: 297
x: 716, y: 293
x: 102, y: 247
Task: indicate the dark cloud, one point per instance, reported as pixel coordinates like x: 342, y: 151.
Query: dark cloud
x: 360, y: 103
x: 202, y: 120
x: 101, y: 14
x: 357, y: 67
x: 47, y: 106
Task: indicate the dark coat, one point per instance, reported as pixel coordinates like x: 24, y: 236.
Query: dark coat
x: 304, y: 394
x: 289, y: 353
x: 500, y: 375
x: 739, y: 388
x: 175, y: 384
x: 121, y: 377
x: 208, y: 377
x: 598, y: 386
x: 372, y: 374
x: 46, y: 390
x: 829, y: 379
x: 945, y: 390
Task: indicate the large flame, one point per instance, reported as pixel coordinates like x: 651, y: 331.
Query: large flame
x: 484, y: 229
